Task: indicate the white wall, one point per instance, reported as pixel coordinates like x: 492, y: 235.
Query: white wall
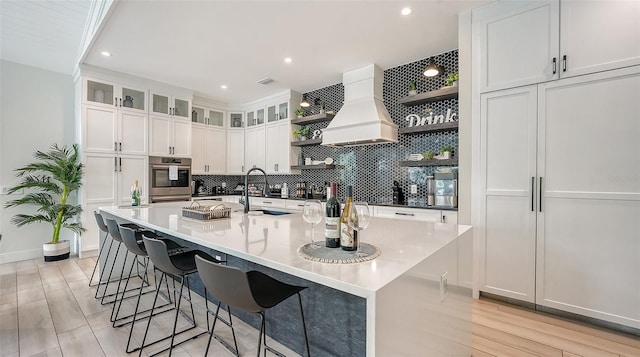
x: 36, y: 110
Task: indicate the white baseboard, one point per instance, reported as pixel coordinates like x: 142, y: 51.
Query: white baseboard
x: 89, y: 253
x: 20, y: 255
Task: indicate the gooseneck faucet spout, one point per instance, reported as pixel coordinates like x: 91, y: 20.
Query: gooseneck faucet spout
x: 246, y: 186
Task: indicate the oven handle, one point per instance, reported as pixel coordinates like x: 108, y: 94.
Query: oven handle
x: 167, y: 167
x: 170, y: 198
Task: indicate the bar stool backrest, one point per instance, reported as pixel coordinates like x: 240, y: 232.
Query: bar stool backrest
x: 229, y: 285
x: 159, y: 255
x: 114, y: 229
x: 130, y: 241
x: 100, y: 221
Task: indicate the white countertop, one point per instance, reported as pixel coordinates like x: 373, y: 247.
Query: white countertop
x: 272, y: 241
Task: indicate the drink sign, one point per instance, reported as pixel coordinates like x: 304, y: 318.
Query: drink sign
x: 317, y: 134
x: 416, y: 120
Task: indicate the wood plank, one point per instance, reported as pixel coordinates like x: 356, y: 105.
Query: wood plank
x: 496, y: 348
x: 432, y: 96
x: 478, y: 353
x: 80, y: 342
x: 572, y: 325
x: 35, y: 328
x: 513, y: 340
x: 65, y: 311
x: 569, y: 354
x: 310, y: 119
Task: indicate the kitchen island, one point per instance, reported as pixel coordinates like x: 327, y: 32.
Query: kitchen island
x: 405, y: 302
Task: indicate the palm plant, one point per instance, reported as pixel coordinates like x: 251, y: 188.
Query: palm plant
x: 55, y: 176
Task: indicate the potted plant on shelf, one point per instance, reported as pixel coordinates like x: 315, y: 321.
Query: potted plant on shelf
x: 50, y: 181
x: 452, y: 80
x: 428, y: 155
x: 299, y: 113
x: 302, y: 133
x: 412, y: 88
x: 445, y: 152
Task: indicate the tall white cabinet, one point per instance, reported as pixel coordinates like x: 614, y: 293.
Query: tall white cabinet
x: 557, y: 185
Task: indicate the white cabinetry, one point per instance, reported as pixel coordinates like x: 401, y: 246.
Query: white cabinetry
x: 559, y: 220
x: 169, y: 136
x: 280, y: 155
x: 266, y: 202
x: 254, y: 147
x: 168, y: 105
x: 413, y: 214
x: 208, y: 153
x: 207, y: 116
x: 235, y: 151
x: 559, y: 38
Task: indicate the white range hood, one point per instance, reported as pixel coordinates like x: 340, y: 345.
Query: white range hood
x: 363, y: 118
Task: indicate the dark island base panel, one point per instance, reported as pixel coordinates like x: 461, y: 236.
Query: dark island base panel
x: 336, y: 321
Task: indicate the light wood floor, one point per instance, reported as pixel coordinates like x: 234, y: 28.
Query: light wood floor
x: 47, y: 309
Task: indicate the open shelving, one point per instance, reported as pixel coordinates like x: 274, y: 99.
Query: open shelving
x: 432, y: 96
x: 429, y: 128
x: 433, y: 162
x: 310, y: 119
x: 315, y: 167
x: 307, y: 142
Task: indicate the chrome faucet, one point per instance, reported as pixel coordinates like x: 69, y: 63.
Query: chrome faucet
x: 246, y: 187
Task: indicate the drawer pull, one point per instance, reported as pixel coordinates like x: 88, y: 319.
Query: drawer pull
x: 405, y: 214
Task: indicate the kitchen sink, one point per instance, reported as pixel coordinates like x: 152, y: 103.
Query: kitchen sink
x: 268, y: 212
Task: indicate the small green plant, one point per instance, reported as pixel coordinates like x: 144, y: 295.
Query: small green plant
x: 412, y: 85
x: 452, y: 78
x: 446, y: 149
x: 55, y: 176
x: 428, y: 155
x: 299, y: 111
x: 303, y: 131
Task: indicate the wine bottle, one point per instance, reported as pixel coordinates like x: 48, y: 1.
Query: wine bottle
x: 348, y: 236
x: 135, y: 194
x: 332, y: 220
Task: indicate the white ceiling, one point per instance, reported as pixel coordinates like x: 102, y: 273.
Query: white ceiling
x: 201, y: 45
x: 41, y: 33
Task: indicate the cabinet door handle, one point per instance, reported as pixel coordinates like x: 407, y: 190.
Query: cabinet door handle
x: 115, y: 164
x: 564, y: 63
x: 120, y: 146
x: 120, y: 165
x: 301, y: 205
x: 267, y: 202
x: 169, y: 150
x: 120, y: 99
x: 115, y: 146
x: 540, y: 193
x: 405, y: 214
x: 533, y: 200
x: 554, y: 65
x: 242, y: 168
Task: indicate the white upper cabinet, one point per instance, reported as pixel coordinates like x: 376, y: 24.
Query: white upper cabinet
x: 235, y: 152
x: 236, y: 121
x: 207, y: 116
x: 517, y: 42
x: 208, y: 149
x: 113, y: 95
x: 174, y: 106
x: 169, y: 137
x: 280, y: 155
x: 254, y: 148
x: 528, y: 42
x: 255, y: 117
x: 598, y: 35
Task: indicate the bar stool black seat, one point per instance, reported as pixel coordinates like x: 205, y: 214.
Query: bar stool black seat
x: 179, y: 266
x: 114, y: 230
x: 251, y: 291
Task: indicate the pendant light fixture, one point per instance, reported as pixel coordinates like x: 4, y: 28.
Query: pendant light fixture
x: 432, y: 70
x: 305, y: 103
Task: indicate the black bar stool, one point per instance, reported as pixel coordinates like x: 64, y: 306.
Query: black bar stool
x: 179, y: 266
x: 114, y: 231
x: 252, y: 291
x: 103, y: 228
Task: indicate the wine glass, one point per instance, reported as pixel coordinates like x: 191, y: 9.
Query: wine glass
x: 359, y: 220
x: 312, y: 213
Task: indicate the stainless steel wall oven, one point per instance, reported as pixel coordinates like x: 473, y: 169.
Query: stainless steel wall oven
x: 170, y: 179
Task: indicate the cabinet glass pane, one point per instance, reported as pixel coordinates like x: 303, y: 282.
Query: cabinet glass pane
x: 99, y: 92
x: 197, y: 115
x: 283, y: 111
x: 271, y: 114
x: 251, y: 119
x: 235, y: 120
x: 216, y: 118
x: 181, y: 108
x: 160, y: 104
x: 260, y: 116
x: 132, y: 98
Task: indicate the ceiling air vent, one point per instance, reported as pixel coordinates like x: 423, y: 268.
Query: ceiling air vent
x: 266, y: 81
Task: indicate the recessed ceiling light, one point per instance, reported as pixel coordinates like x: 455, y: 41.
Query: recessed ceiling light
x: 406, y: 11
x: 106, y: 53
x: 288, y: 60
x: 224, y: 86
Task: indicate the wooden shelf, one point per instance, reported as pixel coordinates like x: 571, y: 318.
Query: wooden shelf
x: 317, y: 118
x: 433, y: 162
x: 306, y: 142
x: 315, y: 167
x: 421, y: 98
x: 429, y: 128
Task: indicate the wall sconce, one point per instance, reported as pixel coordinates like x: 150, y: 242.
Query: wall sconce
x: 433, y: 70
